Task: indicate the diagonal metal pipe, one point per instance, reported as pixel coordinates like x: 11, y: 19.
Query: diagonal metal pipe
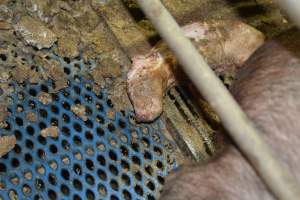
x: 292, y: 9
x: 248, y: 138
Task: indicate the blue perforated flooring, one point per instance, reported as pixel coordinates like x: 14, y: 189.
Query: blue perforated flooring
x: 100, y: 158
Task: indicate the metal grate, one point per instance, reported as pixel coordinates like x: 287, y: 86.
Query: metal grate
x: 103, y: 157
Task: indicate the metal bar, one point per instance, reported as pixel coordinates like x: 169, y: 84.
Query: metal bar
x: 249, y: 140
x: 292, y: 9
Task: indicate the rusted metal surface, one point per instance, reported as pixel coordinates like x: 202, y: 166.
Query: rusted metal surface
x: 190, y: 131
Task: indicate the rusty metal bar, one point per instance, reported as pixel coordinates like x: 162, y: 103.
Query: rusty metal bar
x: 249, y: 139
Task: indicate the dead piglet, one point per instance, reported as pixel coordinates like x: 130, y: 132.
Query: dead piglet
x: 225, y: 45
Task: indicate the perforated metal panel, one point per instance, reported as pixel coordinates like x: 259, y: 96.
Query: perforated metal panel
x: 105, y: 157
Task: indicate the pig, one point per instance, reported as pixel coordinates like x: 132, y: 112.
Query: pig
x: 267, y: 87
x: 225, y: 44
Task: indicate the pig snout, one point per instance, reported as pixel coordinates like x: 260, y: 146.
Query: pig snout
x: 147, y: 81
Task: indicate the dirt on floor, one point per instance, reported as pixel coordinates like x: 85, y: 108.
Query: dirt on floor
x: 31, y: 31
x: 7, y: 143
x: 79, y: 111
x: 51, y: 131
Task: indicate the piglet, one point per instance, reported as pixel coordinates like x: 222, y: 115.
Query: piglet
x: 225, y: 44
